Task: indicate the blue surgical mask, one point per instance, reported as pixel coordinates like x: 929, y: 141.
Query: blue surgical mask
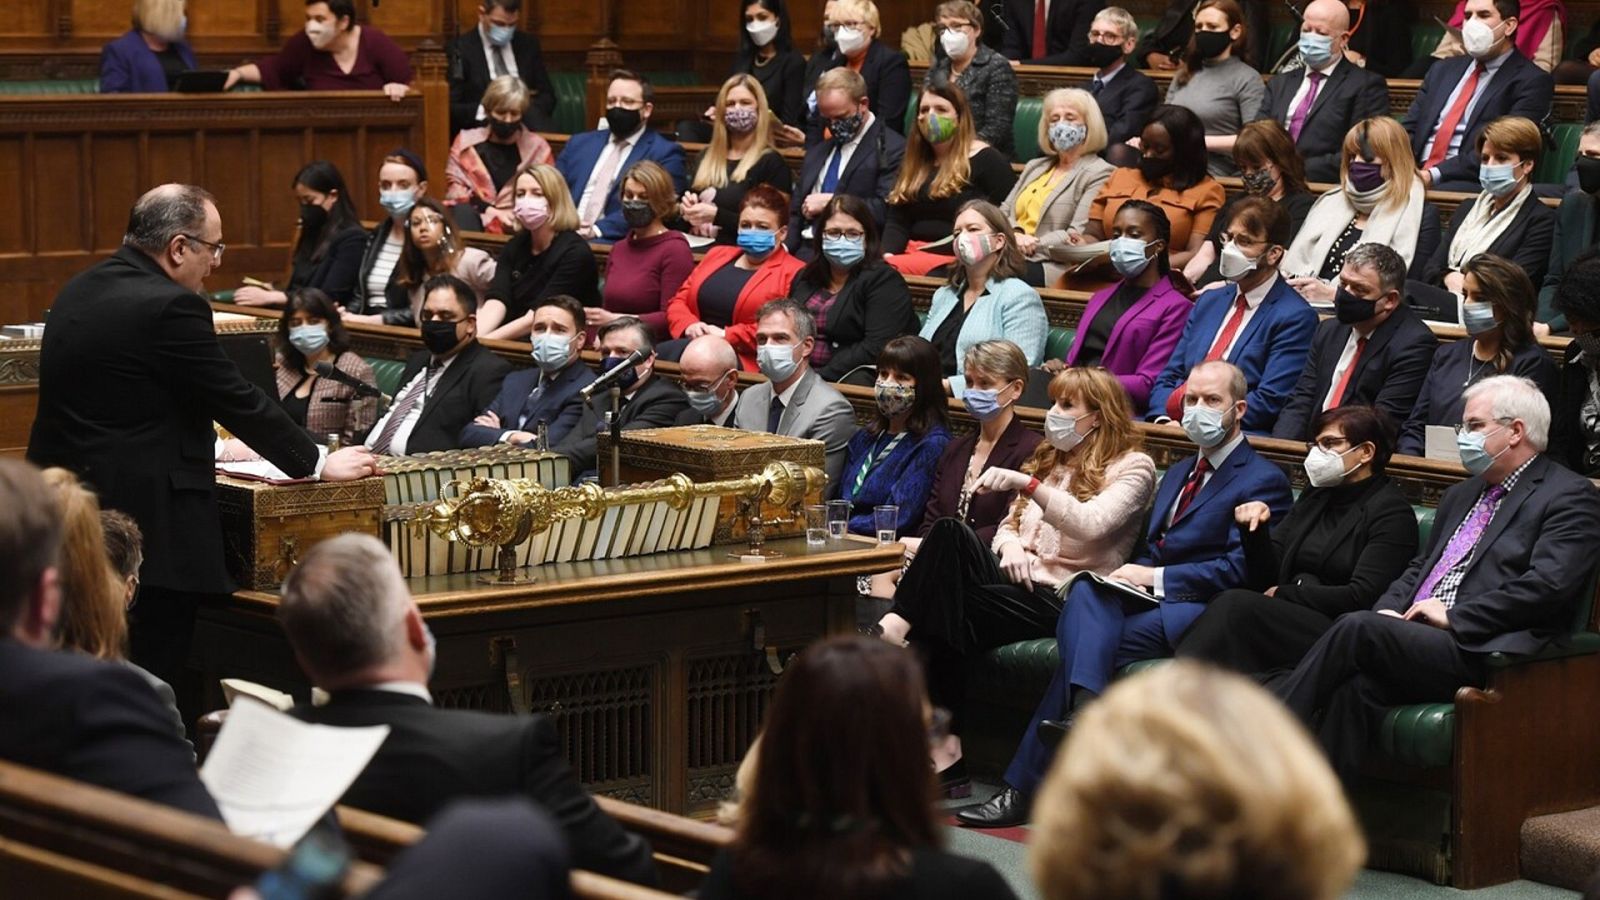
x: 500, y: 35
x: 1066, y: 135
x: 1315, y: 49
x: 757, y: 242
x: 551, y: 352
x: 1478, y: 317
x: 706, y: 403
x: 776, y: 361
x: 982, y: 404
x: 1128, y: 256
x: 845, y: 252
x: 1205, y: 426
x: 308, y: 339
x: 398, y: 203
x: 626, y: 379
x: 1474, y: 455
x: 1497, y: 180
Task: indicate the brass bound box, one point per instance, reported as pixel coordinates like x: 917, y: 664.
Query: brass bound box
x: 266, y: 528
x: 712, y: 453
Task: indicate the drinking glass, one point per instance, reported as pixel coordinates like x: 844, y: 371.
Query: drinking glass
x: 838, y: 518
x: 816, y: 525
x: 887, y: 519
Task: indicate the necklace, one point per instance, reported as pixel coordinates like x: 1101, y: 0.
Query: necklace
x: 1473, y: 373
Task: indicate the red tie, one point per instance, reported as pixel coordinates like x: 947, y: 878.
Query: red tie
x: 1175, y: 400
x: 1447, y: 127
x: 1345, y: 379
x: 1191, y: 487
x: 1038, y: 28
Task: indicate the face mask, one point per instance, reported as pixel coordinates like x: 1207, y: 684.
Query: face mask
x: 982, y: 404
x: 938, y: 129
x: 312, y: 217
x: 637, y: 213
x: 439, y: 337
x: 1066, y: 135
x: 1210, y: 44
x: 1205, y: 426
x: 893, y: 398
x: 740, y: 119
x: 1351, y: 309
x: 1478, y: 318
x: 850, y: 41
x: 844, y: 252
x: 503, y: 130
x: 1128, y: 256
x: 308, y: 339
x: 623, y: 122
x: 1497, y: 180
x: 626, y: 379
x: 1315, y: 49
x: 1589, y: 174
x: 532, y: 212
x: 1102, y: 55
x: 398, y: 203
x: 1154, y: 168
x: 1324, y: 468
x: 762, y: 33
x: 757, y: 242
x: 776, y: 361
x: 1471, y: 445
x: 1061, y: 430
x: 955, y: 43
x: 1478, y: 38
x: 844, y: 128
x: 972, y: 248
x: 551, y: 352
x: 320, y: 34
x: 706, y: 403
x: 501, y: 35
x: 1233, y: 264
x: 1259, y: 182
x: 1365, y: 176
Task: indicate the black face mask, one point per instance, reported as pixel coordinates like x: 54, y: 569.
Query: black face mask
x: 439, y: 337
x: 1102, y: 55
x: 1154, y: 168
x: 623, y: 122
x: 637, y: 213
x: 1351, y: 309
x: 312, y: 218
x: 503, y: 130
x: 1589, y: 174
x: 1208, y: 44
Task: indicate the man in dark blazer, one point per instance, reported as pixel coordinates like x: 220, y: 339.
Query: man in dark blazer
x: 646, y: 401
x: 446, y: 385
x: 359, y: 635
x: 67, y: 713
x: 709, y: 368
x: 1374, y: 352
x: 516, y: 53
x: 1515, y: 87
x: 1065, y: 41
x: 1125, y: 95
x: 863, y: 166
x: 1511, y: 551
x: 590, y: 158
x: 1192, y: 551
x: 1340, y: 93
x: 131, y: 378
x: 888, y: 79
x: 547, y: 392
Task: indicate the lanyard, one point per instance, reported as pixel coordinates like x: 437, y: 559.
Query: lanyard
x: 872, y: 460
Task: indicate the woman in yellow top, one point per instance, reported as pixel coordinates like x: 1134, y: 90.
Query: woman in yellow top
x: 1052, y: 198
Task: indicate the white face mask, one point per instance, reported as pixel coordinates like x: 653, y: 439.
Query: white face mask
x: 955, y: 43
x: 1325, y: 468
x: 1478, y: 38
x: 1061, y: 430
x: 1233, y: 264
x: 762, y: 33
x: 320, y: 33
x: 850, y: 40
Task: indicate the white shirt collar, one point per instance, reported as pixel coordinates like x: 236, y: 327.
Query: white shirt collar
x: 1219, y: 454
x: 1327, y: 68
x: 788, y: 392
x: 1105, y: 77
x: 1254, y: 296
x: 410, y: 688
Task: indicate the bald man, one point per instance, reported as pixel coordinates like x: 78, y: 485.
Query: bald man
x: 1319, y: 102
x: 710, y: 373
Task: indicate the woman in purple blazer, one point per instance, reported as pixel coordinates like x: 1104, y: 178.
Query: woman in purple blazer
x: 149, y: 57
x: 1131, y: 327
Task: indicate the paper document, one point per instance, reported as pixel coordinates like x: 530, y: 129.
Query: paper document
x: 1134, y: 599
x: 1439, y: 442
x: 273, y: 776
x: 258, y: 470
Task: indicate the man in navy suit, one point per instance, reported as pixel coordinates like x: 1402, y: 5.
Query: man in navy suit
x: 1193, y: 551
x: 493, y: 49
x: 1319, y: 103
x: 1511, y: 552
x: 1259, y: 323
x: 593, y: 162
x: 546, y: 394
x: 1462, y: 94
x: 1124, y: 94
x: 1065, y: 38
x: 1375, y: 351
x: 861, y: 158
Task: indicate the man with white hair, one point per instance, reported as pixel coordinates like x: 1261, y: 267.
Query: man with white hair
x: 359, y: 635
x: 1508, y: 559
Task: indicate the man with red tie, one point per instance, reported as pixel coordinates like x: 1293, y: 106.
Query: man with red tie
x: 1375, y: 351
x: 1048, y: 32
x: 1258, y: 322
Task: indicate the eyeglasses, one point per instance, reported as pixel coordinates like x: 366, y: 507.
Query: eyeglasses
x: 216, y: 247
x: 427, y: 220
x: 836, y: 234
x: 1106, y: 37
x: 1242, y: 241
x: 858, y: 25
x: 1328, y: 443
x: 708, y: 387
x: 1474, y: 425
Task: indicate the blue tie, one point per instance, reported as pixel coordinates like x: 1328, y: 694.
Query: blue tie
x: 830, y: 178
x: 774, y: 415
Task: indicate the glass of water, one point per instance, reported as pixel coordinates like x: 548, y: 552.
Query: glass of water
x: 887, y: 519
x: 838, y: 518
x: 816, y: 525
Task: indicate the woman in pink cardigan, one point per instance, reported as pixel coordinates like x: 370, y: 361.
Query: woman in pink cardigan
x: 1082, y: 499
x: 484, y: 161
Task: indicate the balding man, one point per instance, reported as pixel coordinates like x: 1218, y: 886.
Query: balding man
x: 130, y: 379
x: 709, y: 368
x: 1318, y: 103
x: 358, y: 634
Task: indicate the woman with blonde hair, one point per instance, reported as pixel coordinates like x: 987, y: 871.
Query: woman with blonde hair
x: 1189, y: 782
x: 546, y: 257
x: 150, y: 56
x: 1052, y: 198
x: 484, y: 158
x: 740, y: 156
x: 1082, y: 496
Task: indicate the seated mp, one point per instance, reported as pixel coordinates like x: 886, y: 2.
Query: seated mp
x: 310, y: 333
x: 444, y: 386
x: 709, y: 368
x: 853, y: 39
x: 544, y: 258
x: 1268, y: 167
x: 328, y: 245
x: 513, y: 52
x: 1375, y: 351
x: 794, y: 401
x: 1222, y: 89
x: 645, y: 401
x: 149, y: 57
x: 1049, y: 205
x: 432, y: 246
x: 1191, y: 550
x: 1510, y: 555
x: 1125, y: 95
x: 1258, y: 322
x: 1575, y: 414
x: 1080, y: 500
x: 357, y: 633
x: 592, y: 161
x: 1577, y: 219
x: 646, y: 267
x: 1348, y: 537
x: 861, y: 158
x: 333, y: 52
x: 963, y: 59
x: 541, y: 401
x: 485, y: 159
x: 740, y: 157
x: 402, y: 181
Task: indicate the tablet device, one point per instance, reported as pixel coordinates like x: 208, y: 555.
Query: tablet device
x: 200, y: 81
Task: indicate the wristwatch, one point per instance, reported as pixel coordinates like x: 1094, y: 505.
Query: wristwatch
x: 864, y: 585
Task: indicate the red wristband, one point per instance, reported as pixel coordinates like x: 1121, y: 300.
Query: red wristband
x: 1033, y: 485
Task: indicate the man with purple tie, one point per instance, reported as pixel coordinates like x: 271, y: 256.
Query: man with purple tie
x: 1510, y: 555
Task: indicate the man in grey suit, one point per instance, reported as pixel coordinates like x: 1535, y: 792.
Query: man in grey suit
x: 1510, y: 553
x: 794, y: 401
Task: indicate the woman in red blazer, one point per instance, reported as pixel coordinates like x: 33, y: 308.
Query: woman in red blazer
x: 723, y: 293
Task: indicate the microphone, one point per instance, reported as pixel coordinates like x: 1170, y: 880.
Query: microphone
x: 606, y: 380
x: 327, y: 370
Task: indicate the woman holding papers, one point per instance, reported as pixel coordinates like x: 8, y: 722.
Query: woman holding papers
x: 1347, y: 538
x: 1082, y: 496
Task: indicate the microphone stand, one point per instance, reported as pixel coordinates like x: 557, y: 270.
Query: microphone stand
x: 616, y: 436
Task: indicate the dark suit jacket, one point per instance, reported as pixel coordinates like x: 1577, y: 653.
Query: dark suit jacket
x: 1066, y: 31
x: 1519, y: 88
x: 359, y: 303
x: 1126, y: 102
x: 470, y: 74
x: 337, y: 272
x: 655, y: 405
x: 869, y: 175
x: 433, y: 756
x: 97, y: 722
x: 1441, y: 400
x: 1348, y: 95
x: 577, y: 160
x: 1568, y: 438
x: 985, y: 511
x: 1575, y: 233
x: 1526, y: 241
x: 1529, y: 568
x: 129, y: 66
x: 872, y: 308
x: 1388, y: 374
x: 130, y: 379
x: 559, y: 407
x: 888, y: 78
x: 460, y: 393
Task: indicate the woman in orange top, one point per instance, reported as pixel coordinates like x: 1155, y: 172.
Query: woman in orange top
x: 723, y: 293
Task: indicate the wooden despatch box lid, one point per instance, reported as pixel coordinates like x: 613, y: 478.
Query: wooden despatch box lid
x: 707, y: 452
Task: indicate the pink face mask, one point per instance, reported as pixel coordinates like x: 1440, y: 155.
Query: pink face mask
x: 532, y: 212
x: 973, y: 247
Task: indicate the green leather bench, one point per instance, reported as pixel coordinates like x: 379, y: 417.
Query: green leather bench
x: 571, y: 115
x: 1025, y: 128
x: 1056, y: 343
x: 1554, y: 164
x: 45, y: 86
x: 386, y: 373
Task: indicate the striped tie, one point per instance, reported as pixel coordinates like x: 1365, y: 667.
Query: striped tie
x: 403, y: 408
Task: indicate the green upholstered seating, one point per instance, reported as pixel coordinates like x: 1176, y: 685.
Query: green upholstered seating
x: 1058, y: 342
x: 52, y: 86
x: 1025, y: 128
x: 386, y: 373
x: 1554, y: 164
x: 569, y: 115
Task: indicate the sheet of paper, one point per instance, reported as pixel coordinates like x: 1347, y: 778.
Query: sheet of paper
x: 273, y: 776
x: 258, y: 469
x: 1440, y: 443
